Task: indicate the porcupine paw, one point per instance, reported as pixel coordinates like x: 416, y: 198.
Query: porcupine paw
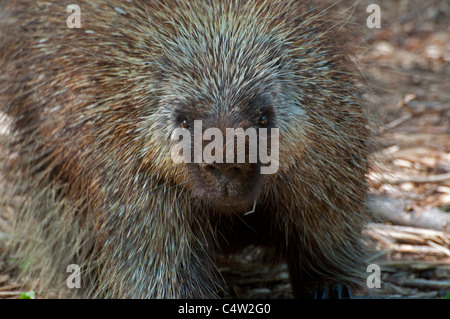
x: 334, y: 291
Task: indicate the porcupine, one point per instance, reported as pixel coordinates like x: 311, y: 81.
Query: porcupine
x: 92, y: 110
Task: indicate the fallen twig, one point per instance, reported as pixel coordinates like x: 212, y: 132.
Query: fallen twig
x: 427, y: 284
x: 416, y: 249
x: 10, y: 293
x: 415, y: 264
x: 389, y: 209
x: 439, y: 247
x: 419, y: 179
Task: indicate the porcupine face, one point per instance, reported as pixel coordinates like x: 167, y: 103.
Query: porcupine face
x: 226, y: 115
x: 228, y: 76
x: 227, y: 184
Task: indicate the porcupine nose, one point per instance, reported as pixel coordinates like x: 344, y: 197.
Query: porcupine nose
x: 227, y: 171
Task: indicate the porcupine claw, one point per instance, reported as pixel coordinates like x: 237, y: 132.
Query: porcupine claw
x: 336, y: 291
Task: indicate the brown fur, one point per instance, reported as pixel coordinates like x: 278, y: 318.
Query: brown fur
x: 91, y: 112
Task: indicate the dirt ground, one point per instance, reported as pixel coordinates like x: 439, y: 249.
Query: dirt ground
x: 406, y: 66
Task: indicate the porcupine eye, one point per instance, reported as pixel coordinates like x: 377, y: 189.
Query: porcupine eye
x: 184, y: 124
x: 263, y: 120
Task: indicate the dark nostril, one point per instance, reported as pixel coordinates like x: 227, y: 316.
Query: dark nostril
x: 232, y: 172
x: 213, y: 170
x: 218, y: 171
